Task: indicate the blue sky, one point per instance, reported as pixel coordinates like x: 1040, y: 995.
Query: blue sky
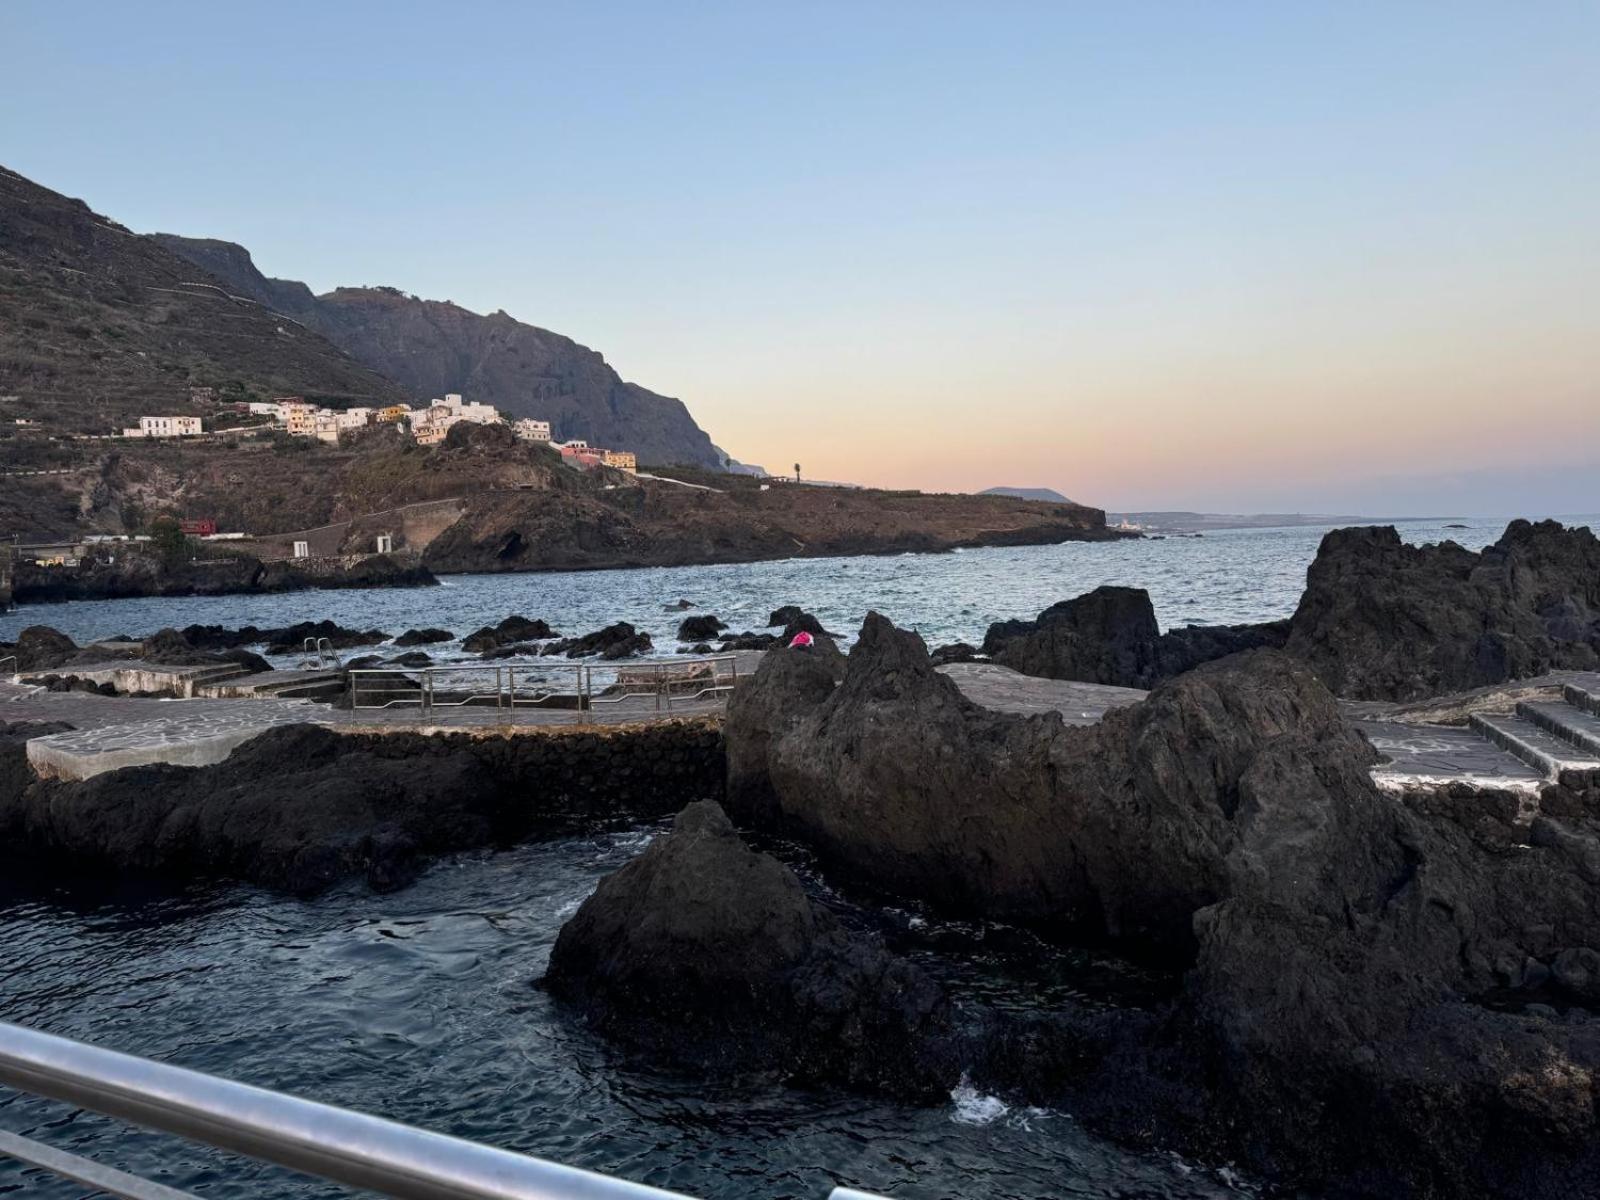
x: 1286, y: 256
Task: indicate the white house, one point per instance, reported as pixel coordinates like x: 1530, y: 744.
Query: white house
x: 483, y: 414
x: 163, y: 427
x: 355, y: 418
x: 530, y: 430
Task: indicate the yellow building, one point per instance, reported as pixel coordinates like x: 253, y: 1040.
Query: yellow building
x: 623, y: 460
x: 394, y: 412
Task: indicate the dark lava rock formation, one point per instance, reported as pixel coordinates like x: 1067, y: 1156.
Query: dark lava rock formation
x: 711, y: 954
x: 513, y: 629
x: 104, y: 575
x: 301, y: 807
x: 1380, y: 995
x: 621, y: 640
x: 1379, y: 619
x: 424, y: 637
x: 1382, y: 620
x: 1110, y: 636
x: 700, y: 628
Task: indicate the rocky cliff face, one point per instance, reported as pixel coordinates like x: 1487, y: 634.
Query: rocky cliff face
x: 432, y: 347
x: 99, y: 326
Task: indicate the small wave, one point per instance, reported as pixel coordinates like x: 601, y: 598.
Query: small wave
x: 972, y: 1107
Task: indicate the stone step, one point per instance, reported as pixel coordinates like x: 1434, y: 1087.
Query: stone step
x: 1541, y: 750
x: 1584, y: 696
x: 1566, y: 721
x: 1430, y: 756
x: 283, y: 685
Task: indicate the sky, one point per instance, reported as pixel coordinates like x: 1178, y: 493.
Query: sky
x: 1338, y: 257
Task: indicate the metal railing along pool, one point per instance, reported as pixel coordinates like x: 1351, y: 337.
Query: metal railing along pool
x: 336, y: 1144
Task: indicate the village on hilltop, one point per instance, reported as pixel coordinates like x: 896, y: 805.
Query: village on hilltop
x: 428, y: 426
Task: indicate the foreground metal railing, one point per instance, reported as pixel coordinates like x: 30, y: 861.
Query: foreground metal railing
x: 659, y: 685
x: 335, y: 1144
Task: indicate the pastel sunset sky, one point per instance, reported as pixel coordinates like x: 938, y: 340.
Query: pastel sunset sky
x: 1337, y: 257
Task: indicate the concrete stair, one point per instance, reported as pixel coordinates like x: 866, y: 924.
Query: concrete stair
x: 1550, y: 737
x: 1583, y: 696
x: 276, y: 685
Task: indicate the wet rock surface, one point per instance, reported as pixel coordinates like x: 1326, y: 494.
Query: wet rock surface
x: 424, y: 637
x: 301, y: 807
x: 514, y: 629
x: 621, y: 640
x: 710, y: 953
x: 1377, y: 999
x: 700, y: 628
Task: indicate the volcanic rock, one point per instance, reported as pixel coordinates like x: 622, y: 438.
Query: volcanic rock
x: 1110, y: 636
x: 621, y: 640
x: 1367, y: 1001
x: 292, y: 638
x: 711, y: 953
x: 700, y: 628
x: 512, y: 629
x: 39, y: 647
x: 424, y: 637
x: 1383, y: 620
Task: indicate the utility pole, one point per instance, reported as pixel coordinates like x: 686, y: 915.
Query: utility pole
x: 797, y: 472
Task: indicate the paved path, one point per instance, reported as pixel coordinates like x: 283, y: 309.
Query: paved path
x: 1005, y: 690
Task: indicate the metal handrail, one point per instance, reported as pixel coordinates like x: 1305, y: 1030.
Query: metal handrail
x: 670, y: 682
x: 336, y: 1144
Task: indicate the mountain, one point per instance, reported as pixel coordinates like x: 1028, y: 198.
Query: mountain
x: 99, y: 326
x: 1048, y: 495
x: 431, y: 347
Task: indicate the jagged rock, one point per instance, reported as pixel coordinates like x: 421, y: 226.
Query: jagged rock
x: 39, y: 648
x: 1110, y: 636
x: 700, y: 628
x: 424, y: 637
x: 712, y: 953
x: 784, y: 615
x: 1362, y: 1005
x: 171, y: 648
x: 512, y: 629
x: 698, y: 648
x: 292, y: 638
x: 302, y: 807
x: 412, y: 658
x: 957, y: 652
x: 1383, y: 620
x: 680, y: 606
x: 621, y: 640
x: 749, y: 641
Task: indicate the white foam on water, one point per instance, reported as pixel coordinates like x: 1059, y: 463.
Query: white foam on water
x: 972, y: 1107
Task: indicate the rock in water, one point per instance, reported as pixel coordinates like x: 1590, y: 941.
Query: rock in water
x: 710, y: 953
x: 700, y: 628
x: 424, y: 637
x: 512, y: 630
x: 621, y: 640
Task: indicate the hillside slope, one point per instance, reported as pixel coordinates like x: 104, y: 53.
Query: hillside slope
x: 99, y: 325
x: 432, y: 347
